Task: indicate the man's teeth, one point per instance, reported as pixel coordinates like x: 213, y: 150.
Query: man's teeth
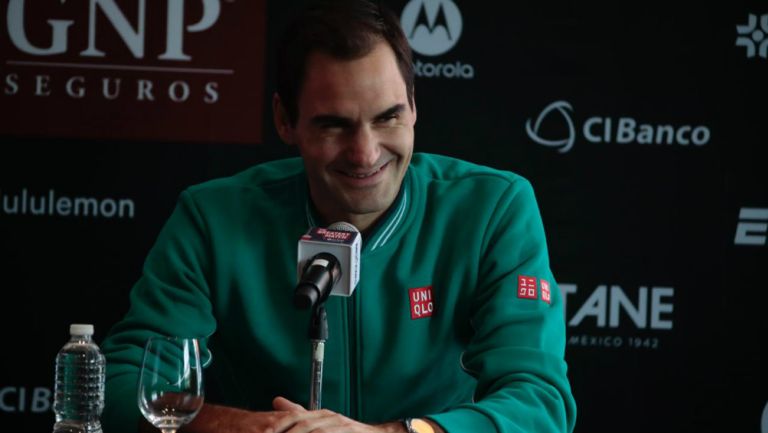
x: 362, y: 176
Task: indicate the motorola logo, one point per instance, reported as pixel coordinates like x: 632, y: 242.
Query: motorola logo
x: 602, y: 129
x: 433, y: 27
x: 754, y: 39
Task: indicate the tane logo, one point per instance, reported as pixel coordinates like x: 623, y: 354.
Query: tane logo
x: 562, y: 145
x: 600, y: 129
x: 752, y: 227
x: 432, y: 26
x: 615, y: 317
x: 753, y: 38
x: 648, y: 307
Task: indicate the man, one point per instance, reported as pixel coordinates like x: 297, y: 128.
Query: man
x: 487, y: 356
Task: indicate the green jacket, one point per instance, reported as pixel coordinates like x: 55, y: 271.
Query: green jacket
x: 488, y: 357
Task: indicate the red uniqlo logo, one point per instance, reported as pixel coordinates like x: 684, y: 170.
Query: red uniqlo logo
x: 421, y: 302
x: 526, y: 287
x: 546, y: 295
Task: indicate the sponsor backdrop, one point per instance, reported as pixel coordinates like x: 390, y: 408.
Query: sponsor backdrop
x: 641, y: 128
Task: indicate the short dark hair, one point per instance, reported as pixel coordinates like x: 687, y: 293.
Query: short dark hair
x: 343, y: 29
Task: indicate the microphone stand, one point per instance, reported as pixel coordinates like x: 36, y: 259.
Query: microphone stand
x: 318, y: 333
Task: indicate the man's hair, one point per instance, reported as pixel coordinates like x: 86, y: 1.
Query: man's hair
x: 342, y: 29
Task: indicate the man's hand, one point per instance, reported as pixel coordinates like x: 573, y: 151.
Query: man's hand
x: 300, y: 420
x: 287, y: 417
x: 224, y: 419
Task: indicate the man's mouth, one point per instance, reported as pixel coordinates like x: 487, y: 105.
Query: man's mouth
x: 365, y: 175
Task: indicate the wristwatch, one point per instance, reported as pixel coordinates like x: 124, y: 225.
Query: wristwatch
x: 417, y: 425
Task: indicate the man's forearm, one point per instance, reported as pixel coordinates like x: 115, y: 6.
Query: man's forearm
x: 224, y: 419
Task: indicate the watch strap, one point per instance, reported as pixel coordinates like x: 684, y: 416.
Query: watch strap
x: 410, y: 426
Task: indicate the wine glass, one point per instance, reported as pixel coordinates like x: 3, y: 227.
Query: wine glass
x: 171, y: 382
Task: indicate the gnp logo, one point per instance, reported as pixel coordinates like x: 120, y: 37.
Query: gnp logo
x: 180, y: 61
x: 753, y: 38
x: 134, y: 38
x: 433, y: 27
x: 622, y: 130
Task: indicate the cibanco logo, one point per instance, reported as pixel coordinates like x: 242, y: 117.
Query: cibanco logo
x: 563, y: 145
x: 432, y: 26
x: 621, y: 130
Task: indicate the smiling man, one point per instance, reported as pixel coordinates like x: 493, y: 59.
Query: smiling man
x: 457, y: 322
x: 354, y: 129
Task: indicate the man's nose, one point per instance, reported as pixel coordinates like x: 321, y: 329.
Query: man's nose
x: 363, y: 149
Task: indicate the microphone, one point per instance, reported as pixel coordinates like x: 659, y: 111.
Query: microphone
x: 328, y: 264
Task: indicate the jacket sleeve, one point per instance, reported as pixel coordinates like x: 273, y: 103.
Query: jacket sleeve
x: 517, y: 350
x: 171, y: 298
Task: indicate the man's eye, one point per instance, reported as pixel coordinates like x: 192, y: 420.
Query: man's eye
x: 331, y: 125
x: 388, y: 118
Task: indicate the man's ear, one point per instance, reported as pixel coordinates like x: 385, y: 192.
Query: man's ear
x: 280, y: 117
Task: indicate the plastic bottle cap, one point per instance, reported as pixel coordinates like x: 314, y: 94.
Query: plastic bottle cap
x: 80, y: 329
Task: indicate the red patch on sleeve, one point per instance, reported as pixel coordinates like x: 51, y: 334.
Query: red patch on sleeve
x: 546, y: 294
x: 526, y: 287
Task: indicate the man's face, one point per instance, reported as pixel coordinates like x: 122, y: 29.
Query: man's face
x: 355, y: 133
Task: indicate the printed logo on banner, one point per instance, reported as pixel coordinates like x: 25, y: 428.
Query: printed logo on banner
x: 169, y: 70
x: 752, y: 227
x: 421, y: 302
x: 433, y: 27
x: 638, y: 317
x: 754, y: 36
x: 562, y: 145
x: 764, y: 422
x: 20, y: 399
x: 53, y: 204
x: 601, y: 129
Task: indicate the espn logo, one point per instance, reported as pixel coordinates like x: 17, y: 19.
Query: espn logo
x: 752, y: 227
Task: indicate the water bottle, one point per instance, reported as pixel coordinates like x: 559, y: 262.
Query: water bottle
x: 79, y: 391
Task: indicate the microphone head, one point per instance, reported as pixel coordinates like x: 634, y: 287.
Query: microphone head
x: 344, y: 227
x: 305, y: 296
x: 342, y: 240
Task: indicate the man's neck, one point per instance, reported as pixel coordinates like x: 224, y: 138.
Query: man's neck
x: 365, y: 222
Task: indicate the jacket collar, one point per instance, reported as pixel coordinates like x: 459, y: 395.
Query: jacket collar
x: 384, y: 230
